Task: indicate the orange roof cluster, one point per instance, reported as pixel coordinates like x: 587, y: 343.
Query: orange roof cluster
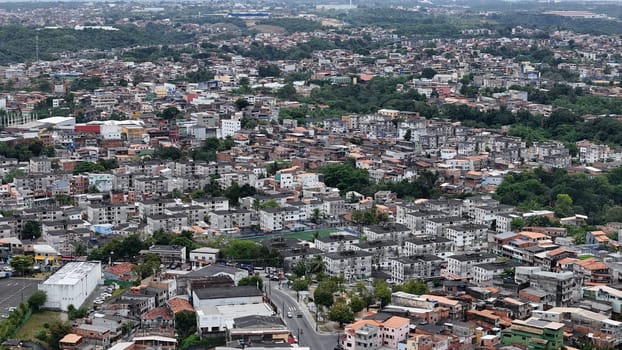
x: 180, y: 304
x: 592, y: 264
x: 158, y: 312
x: 560, y: 250
x: 392, y: 322
x: 120, y: 269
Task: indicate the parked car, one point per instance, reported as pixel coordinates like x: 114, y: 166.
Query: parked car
x: 289, y: 315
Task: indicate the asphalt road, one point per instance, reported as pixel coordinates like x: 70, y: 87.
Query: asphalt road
x: 303, y: 327
x: 14, y: 290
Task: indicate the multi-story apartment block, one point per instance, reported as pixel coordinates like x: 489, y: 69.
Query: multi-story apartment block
x: 467, y: 236
x: 336, y: 242
x: 276, y: 219
x: 109, y: 213
x: 461, y: 266
x: 225, y: 220
x: 386, y: 232
x: 415, y: 267
x: 354, y: 265
x: 428, y: 245
x: 562, y: 284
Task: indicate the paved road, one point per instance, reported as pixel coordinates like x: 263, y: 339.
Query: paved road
x: 14, y: 290
x: 302, y: 327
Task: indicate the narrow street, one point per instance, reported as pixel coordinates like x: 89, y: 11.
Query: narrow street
x: 302, y: 327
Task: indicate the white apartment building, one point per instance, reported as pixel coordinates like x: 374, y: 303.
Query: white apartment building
x: 276, y: 219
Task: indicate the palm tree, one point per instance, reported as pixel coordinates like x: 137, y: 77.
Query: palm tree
x: 316, y: 265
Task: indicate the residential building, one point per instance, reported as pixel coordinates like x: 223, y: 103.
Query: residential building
x: 353, y: 264
x: 422, y: 266
x: 377, y: 331
x: 461, y: 266
x: 168, y: 253
x: 534, y: 334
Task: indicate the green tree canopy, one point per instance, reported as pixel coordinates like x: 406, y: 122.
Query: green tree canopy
x: 341, y: 312
x: 31, y: 229
x: 22, y: 264
x: 255, y: 281
x: 185, y: 324
x: 37, y: 299
x: 323, y: 294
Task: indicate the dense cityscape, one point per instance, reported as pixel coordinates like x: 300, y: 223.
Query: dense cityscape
x: 271, y: 174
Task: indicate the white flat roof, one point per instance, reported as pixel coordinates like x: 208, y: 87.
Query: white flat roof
x: 72, y: 272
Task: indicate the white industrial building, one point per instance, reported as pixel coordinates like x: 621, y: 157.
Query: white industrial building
x: 72, y: 284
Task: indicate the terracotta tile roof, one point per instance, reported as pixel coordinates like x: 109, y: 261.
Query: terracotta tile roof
x: 559, y: 250
x: 158, y: 312
x: 120, y: 269
x: 592, y: 264
x: 396, y: 322
x: 179, y: 304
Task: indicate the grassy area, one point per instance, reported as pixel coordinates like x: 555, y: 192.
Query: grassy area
x: 306, y: 236
x: 35, y: 323
x: 118, y: 292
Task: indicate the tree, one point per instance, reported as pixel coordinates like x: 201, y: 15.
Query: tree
x: 73, y: 313
x: 270, y: 70
x: 408, y: 135
x: 241, y: 103
x: 345, y: 176
x: 382, y: 292
x: 563, y: 205
x: 149, y: 266
x: 31, y: 229
x: 172, y: 153
x: 417, y: 287
x: 287, y: 92
x: 21, y: 263
x: 428, y: 73
x: 300, y: 269
x: 254, y: 281
x: 37, y: 299
x: 185, y: 324
x: 315, y: 216
x: 316, y: 265
x: 341, y: 312
x: 170, y: 113
x: 57, y: 330
x: 300, y: 284
x: 357, y: 303
x: 323, y: 294
x: 12, y: 174
x: 79, y: 249
x: 614, y: 214
x: 517, y: 224
x: 87, y: 167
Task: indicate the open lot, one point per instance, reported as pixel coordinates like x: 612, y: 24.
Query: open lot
x: 14, y: 290
x: 35, y: 324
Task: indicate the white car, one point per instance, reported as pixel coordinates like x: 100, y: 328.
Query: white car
x: 12, y: 308
x: 98, y: 302
x: 106, y: 295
